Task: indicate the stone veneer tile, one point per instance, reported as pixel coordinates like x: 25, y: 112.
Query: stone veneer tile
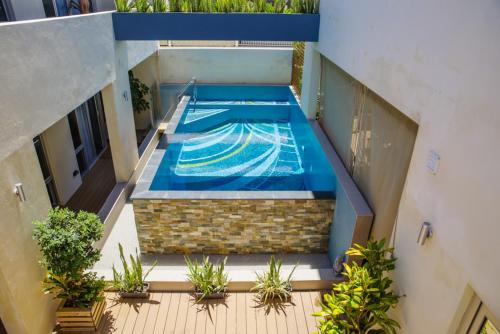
x: 238, y: 226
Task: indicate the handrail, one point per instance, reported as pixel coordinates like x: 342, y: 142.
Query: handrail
x: 185, y: 88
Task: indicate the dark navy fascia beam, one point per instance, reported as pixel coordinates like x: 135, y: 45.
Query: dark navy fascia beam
x: 216, y: 26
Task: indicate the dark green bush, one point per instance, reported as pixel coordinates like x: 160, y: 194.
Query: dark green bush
x: 66, y: 241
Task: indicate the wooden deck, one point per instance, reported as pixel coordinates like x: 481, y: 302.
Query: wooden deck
x: 176, y: 312
x: 96, y: 186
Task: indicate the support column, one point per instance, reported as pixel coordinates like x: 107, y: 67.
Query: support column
x: 310, y: 80
x: 117, y: 102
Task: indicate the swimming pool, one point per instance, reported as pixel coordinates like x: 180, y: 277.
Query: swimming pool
x: 244, y: 138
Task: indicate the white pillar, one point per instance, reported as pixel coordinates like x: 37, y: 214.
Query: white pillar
x: 310, y: 80
x: 117, y: 102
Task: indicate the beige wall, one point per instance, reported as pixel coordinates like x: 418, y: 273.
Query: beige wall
x: 49, y: 67
x: 147, y: 72
x: 23, y: 306
x: 61, y: 158
x: 437, y: 62
x: 226, y: 65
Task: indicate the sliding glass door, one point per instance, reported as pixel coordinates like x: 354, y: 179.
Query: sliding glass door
x: 88, y: 131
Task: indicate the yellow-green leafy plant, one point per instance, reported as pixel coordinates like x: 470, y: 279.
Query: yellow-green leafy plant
x: 133, y: 278
x: 207, y: 278
x: 305, y: 6
x: 174, y: 5
x: 66, y: 242
x: 360, y: 304
x: 159, y: 6
x: 142, y: 6
x: 123, y: 5
x: 270, y: 284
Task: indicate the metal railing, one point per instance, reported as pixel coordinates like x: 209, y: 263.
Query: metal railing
x: 192, y: 82
x: 229, y: 44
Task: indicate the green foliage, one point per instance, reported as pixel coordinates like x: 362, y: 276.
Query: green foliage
x: 245, y: 6
x: 123, y: 5
x: 133, y: 278
x: 65, y: 239
x: 270, y: 285
x: 207, y: 278
x: 139, y: 92
x: 305, y: 6
x: 360, y: 304
x: 159, y: 6
x: 142, y: 6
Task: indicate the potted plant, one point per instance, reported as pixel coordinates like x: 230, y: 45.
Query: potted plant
x: 131, y: 283
x: 65, y: 239
x: 281, y: 20
x: 209, y: 280
x: 270, y: 285
x: 360, y: 304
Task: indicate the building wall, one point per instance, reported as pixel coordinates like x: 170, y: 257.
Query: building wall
x: 23, y: 306
x: 147, y: 72
x: 226, y: 65
x: 49, y: 67
x: 437, y: 62
x: 27, y: 9
x: 61, y: 157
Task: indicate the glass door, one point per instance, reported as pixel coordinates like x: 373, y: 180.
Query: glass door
x: 47, y: 175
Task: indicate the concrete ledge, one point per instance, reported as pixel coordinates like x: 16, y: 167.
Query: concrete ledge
x: 239, y: 280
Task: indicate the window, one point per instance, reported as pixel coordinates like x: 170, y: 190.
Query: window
x: 3, y: 12
x: 47, y: 176
x: 48, y: 7
x: 478, y: 319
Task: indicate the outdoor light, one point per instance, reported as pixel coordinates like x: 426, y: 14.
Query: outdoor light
x: 425, y: 233
x: 18, y: 190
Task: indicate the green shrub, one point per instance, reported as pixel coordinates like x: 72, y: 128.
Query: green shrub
x: 139, y: 91
x: 159, y: 6
x: 142, y: 6
x: 174, y: 5
x: 123, y: 5
x: 207, y: 278
x: 305, y: 6
x: 65, y: 239
x: 133, y: 278
x: 270, y: 285
x: 360, y: 304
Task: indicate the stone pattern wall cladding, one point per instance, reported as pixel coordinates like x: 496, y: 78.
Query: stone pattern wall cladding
x: 233, y: 226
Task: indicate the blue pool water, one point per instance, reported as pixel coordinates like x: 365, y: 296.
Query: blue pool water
x: 244, y: 138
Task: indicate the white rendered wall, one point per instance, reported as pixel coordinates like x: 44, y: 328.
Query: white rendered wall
x: 147, y: 73
x: 48, y: 68
x: 61, y: 157
x: 226, y: 65
x: 438, y: 63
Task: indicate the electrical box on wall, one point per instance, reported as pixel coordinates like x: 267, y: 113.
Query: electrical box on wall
x: 433, y: 162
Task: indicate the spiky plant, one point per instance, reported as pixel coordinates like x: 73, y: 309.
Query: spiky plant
x: 206, y: 277
x: 280, y: 6
x: 142, y: 6
x: 133, y: 278
x: 123, y: 5
x: 159, y: 6
x: 174, y: 5
x: 270, y: 285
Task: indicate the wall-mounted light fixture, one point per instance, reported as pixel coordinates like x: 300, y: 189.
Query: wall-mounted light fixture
x: 19, y: 191
x: 425, y: 233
